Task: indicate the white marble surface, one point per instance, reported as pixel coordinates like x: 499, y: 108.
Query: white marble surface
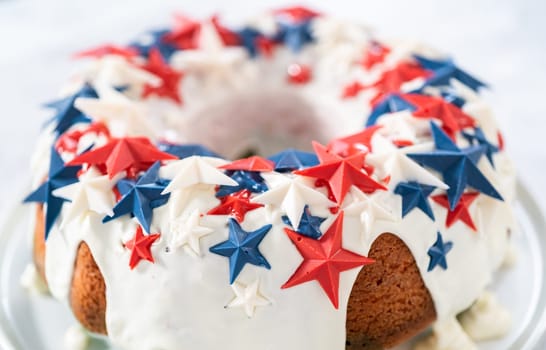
x: 501, y: 41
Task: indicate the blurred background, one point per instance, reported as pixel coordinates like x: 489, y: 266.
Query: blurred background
x: 503, y: 42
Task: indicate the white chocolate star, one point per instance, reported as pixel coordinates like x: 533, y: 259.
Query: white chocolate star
x: 112, y: 70
x: 391, y: 161
x: 248, y: 297
x: 123, y: 116
x: 187, y: 231
x: 369, y: 208
x: 332, y: 32
x: 93, y: 192
x: 291, y: 194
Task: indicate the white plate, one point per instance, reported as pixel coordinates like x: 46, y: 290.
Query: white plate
x: 37, y: 322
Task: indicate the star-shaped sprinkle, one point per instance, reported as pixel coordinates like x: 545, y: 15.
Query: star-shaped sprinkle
x: 291, y: 159
x: 479, y: 138
x: 59, y: 176
x: 341, y: 173
x: 445, y: 70
x: 415, y: 195
x: 438, y: 252
x: 187, y: 150
x: 391, y: 103
x: 196, y: 170
x: 294, y: 35
x: 130, y: 154
x: 248, y: 297
x: 154, y: 41
x: 324, y: 259
x: 461, y: 211
x: 246, y: 180
x: 452, y: 117
x: 185, y: 35
x: 93, y: 193
x: 74, y: 141
x: 252, y: 40
x: 169, y: 87
x: 353, y: 144
x: 295, y: 14
x: 370, y: 209
x: 242, y: 248
x: 375, y: 53
x: 141, y: 247
x: 66, y: 113
x: 291, y: 194
x: 309, y: 225
x: 187, y: 231
x: 236, y: 204
x: 299, y: 73
x: 352, y: 89
x: 111, y: 71
x: 457, y: 166
x: 392, y: 80
x: 141, y: 197
x: 107, y: 49
x: 253, y: 163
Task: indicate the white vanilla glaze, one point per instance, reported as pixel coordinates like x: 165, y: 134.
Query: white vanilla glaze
x: 184, y: 300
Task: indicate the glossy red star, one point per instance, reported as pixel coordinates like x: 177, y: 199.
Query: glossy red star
x: 141, y: 247
x: 130, y: 154
x: 461, y: 211
x: 236, y: 204
x: 324, y: 259
x: 254, y: 163
x: 296, y: 13
x: 452, y: 117
x: 170, y: 78
x: 68, y: 142
x: 353, y: 144
x: 186, y: 33
x: 391, y: 80
x: 375, y: 54
x: 340, y: 173
x: 100, y: 51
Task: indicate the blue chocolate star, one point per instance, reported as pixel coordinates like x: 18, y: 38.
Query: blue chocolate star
x: 457, y: 166
x: 480, y: 139
x: 155, y: 42
x: 294, y: 35
x: 390, y: 104
x: 438, y: 253
x: 247, y: 180
x: 415, y: 195
x: 187, y: 150
x: 445, y: 70
x: 309, y: 225
x: 59, y: 176
x: 248, y: 37
x: 292, y: 159
x: 242, y: 247
x: 141, y: 197
x: 67, y: 115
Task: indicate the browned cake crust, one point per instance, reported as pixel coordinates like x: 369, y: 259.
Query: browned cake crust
x: 389, y: 302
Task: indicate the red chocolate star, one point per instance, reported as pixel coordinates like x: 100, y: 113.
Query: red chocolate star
x: 170, y: 78
x: 352, y: 89
x: 236, y: 204
x: 140, y: 247
x: 375, y: 54
x: 100, y: 51
x: 341, y: 173
x: 68, y: 142
x: 185, y: 34
x: 461, y: 211
x: 352, y: 144
x: 253, y: 163
x: 452, y: 117
x: 392, y: 79
x: 324, y: 259
x: 130, y: 154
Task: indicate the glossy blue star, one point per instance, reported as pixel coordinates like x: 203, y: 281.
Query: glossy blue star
x: 438, y: 253
x: 479, y: 138
x: 242, y: 248
x: 457, y: 166
x: 444, y: 70
x: 155, y: 41
x: 248, y: 37
x: 59, y: 176
x: 66, y: 114
x: 141, y: 197
x: 309, y: 225
x: 390, y: 104
x: 292, y: 159
x: 294, y: 35
x: 249, y: 180
x: 187, y: 150
x: 415, y: 195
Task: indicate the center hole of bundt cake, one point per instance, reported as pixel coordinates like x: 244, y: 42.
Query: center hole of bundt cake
x: 258, y: 123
